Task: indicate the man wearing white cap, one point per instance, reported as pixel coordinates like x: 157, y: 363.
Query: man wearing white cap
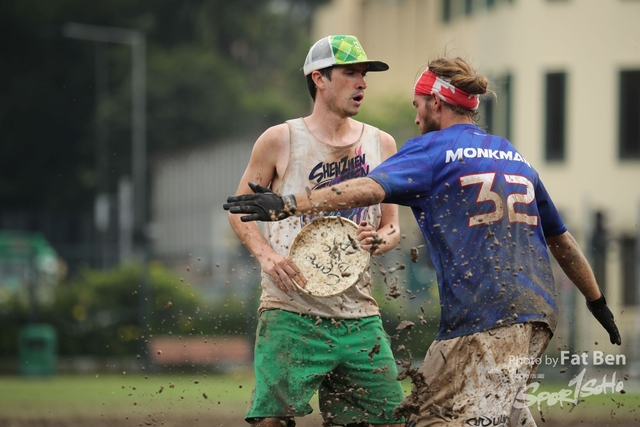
x: 335, y: 346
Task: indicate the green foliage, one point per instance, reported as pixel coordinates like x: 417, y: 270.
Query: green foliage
x: 111, y: 312
x: 107, y: 312
x: 234, y: 315
x: 215, y: 68
x: 200, y: 106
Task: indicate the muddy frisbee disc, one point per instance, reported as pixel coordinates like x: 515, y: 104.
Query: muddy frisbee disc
x: 330, y: 257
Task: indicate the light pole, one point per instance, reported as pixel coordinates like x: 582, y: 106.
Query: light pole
x: 137, y: 40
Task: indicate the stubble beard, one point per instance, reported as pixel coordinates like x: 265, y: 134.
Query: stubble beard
x: 346, y: 110
x: 429, y: 125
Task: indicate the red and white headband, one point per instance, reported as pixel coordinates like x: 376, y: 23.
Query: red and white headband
x: 430, y: 83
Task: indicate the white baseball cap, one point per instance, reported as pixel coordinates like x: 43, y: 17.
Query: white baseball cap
x: 338, y: 50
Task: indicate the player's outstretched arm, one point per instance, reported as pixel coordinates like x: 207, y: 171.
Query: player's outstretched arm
x: 575, y: 265
x: 268, y: 206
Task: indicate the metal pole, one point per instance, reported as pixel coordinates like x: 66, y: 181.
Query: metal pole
x: 102, y: 205
x: 137, y: 41
x: 139, y: 135
x: 637, y: 283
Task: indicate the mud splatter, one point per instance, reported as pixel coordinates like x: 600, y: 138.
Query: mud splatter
x: 393, y: 290
x: 374, y: 350
x: 405, y: 324
x: 376, y: 241
x: 414, y: 254
x: 400, y: 267
x: 411, y: 404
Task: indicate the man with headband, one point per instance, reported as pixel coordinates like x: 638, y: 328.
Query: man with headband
x: 490, y: 227
x: 335, y: 346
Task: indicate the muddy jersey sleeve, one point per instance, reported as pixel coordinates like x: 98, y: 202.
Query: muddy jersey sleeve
x: 552, y: 224
x: 405, y: 176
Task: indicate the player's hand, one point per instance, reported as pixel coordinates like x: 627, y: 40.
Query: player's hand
x: 284, y: 272
x: 262, y: 205
x: 602, y: 313
x: 368, y: 237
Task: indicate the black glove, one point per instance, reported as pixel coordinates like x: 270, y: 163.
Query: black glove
x: 263, y: 205
x: 602, y: 313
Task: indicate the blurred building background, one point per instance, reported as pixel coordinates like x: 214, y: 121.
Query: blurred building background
x: 188, y: 190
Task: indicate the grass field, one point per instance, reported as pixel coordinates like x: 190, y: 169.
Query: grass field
x: 217, y: 400
x: 129, y: 396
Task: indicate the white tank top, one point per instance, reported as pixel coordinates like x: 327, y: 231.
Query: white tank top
x: 314, y: 164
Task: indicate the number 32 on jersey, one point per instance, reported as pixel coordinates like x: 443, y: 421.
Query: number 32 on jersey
x: 485, y: 182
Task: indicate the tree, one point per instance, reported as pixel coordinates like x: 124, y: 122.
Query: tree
x: 215, y: 68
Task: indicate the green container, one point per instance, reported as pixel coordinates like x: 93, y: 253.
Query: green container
x: 37, y: 350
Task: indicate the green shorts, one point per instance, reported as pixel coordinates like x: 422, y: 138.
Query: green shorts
x: 348, y: 361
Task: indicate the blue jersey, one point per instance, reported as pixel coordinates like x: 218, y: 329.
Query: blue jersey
x: 484, y: 214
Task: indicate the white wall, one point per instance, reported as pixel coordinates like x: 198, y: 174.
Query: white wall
x: 190, y: 227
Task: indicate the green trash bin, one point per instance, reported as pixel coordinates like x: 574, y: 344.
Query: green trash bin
x: 37, y: 349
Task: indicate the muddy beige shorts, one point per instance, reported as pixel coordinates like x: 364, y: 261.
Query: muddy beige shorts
x: 474, y: 380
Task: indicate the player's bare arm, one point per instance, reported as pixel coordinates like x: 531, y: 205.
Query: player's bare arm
x: 258, y: 206
x: 387, y: 235
x: 267, y: 163
x: 353, y: 193
x: 575, y: 265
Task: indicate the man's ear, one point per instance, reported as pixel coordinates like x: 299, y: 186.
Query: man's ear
x: 319, y: 79
x: 437, y: 102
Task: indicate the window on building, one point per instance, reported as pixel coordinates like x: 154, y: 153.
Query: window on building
x: 628, y: 248
x: 468, y: 7
x: 495, y: 112
x: 502, y: 119
x: 486, y: 113
x: 598, y: 250
x: 555, y: 116
x: 446, y: 10
x: 630, y: 114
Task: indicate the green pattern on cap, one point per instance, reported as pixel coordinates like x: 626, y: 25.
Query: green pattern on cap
x: 347, y: 50
x: 338, y: 50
